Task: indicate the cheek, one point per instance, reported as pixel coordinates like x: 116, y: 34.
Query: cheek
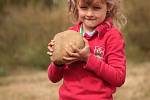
x: 102, y: 16
x: 81, y: 15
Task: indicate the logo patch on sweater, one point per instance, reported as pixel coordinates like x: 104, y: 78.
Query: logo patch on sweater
x: 99, y: 52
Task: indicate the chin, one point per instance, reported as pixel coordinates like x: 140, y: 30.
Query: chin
x: 92, y: 25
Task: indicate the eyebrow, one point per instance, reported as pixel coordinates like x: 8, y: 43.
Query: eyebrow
x: 97, y: 4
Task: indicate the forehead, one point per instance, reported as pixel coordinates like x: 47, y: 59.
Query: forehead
x: 90, y: 2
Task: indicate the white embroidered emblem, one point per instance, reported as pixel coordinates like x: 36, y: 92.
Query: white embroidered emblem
x: 99, y: 52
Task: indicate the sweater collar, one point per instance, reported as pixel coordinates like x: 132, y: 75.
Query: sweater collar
x: 105, y: 26
x: 100, y: 29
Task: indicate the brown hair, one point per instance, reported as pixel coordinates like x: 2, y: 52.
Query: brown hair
x: 115, y: 11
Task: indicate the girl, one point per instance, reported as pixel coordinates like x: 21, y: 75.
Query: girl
x: 94, y: 72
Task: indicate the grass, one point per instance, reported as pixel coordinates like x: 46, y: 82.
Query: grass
x: 27, y: 85
x: 137, y: 83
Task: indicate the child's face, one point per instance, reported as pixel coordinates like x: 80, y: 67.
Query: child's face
x: 91, y: 13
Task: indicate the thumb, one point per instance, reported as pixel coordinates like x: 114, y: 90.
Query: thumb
x: 86, y: 42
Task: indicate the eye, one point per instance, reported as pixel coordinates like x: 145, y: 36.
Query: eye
x: 83, y: 7
x: 96, y: 8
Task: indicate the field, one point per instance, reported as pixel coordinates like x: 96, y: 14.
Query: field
x: 34, y: 85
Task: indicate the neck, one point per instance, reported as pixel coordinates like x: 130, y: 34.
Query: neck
x: 87, y: 29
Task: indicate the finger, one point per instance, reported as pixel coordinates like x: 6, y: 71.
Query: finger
x: 51, y: 43
x: 50, y: 49
x: 71, y: 46
x: 75, y: 48
x: 86, y: 47
x: 52, y: 40
x: 84, y: 51
x: 68, y: 47
x: 69, y: 59
x: 49, y: 53
x: 86, y: 42
x: 70, y: 62
x: 71, y: 54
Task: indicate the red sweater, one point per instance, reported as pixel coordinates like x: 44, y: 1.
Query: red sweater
x: 97, y: 78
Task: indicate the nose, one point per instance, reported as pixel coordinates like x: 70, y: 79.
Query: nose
x: 89, y: 13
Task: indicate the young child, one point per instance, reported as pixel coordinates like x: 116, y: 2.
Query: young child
x: 94, y: 72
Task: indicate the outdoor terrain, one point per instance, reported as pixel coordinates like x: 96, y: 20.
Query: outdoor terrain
x: 34, y: 85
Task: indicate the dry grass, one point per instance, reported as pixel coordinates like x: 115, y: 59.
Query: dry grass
x: 34, y: 85
x: 31, y: 28
x: 137, y: 83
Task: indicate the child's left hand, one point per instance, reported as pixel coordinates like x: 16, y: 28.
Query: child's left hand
x: 79, y: 54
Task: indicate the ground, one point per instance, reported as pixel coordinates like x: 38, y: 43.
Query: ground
x: 34, y: 85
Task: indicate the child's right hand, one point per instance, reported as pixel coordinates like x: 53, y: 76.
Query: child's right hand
x: 50, y: 48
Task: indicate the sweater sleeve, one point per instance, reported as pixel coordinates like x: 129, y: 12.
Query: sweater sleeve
x: 55, y: 73
x: 113, y: 69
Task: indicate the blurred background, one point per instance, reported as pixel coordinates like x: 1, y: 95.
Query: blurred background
x: 26, y: 27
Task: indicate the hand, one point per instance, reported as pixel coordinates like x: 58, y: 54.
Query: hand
x: 78, y: 54
x: 50, y: 48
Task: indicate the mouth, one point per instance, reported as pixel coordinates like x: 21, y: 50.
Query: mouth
x: 90, y: 18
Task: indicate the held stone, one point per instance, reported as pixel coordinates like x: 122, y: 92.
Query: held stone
x: 61, y: 41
